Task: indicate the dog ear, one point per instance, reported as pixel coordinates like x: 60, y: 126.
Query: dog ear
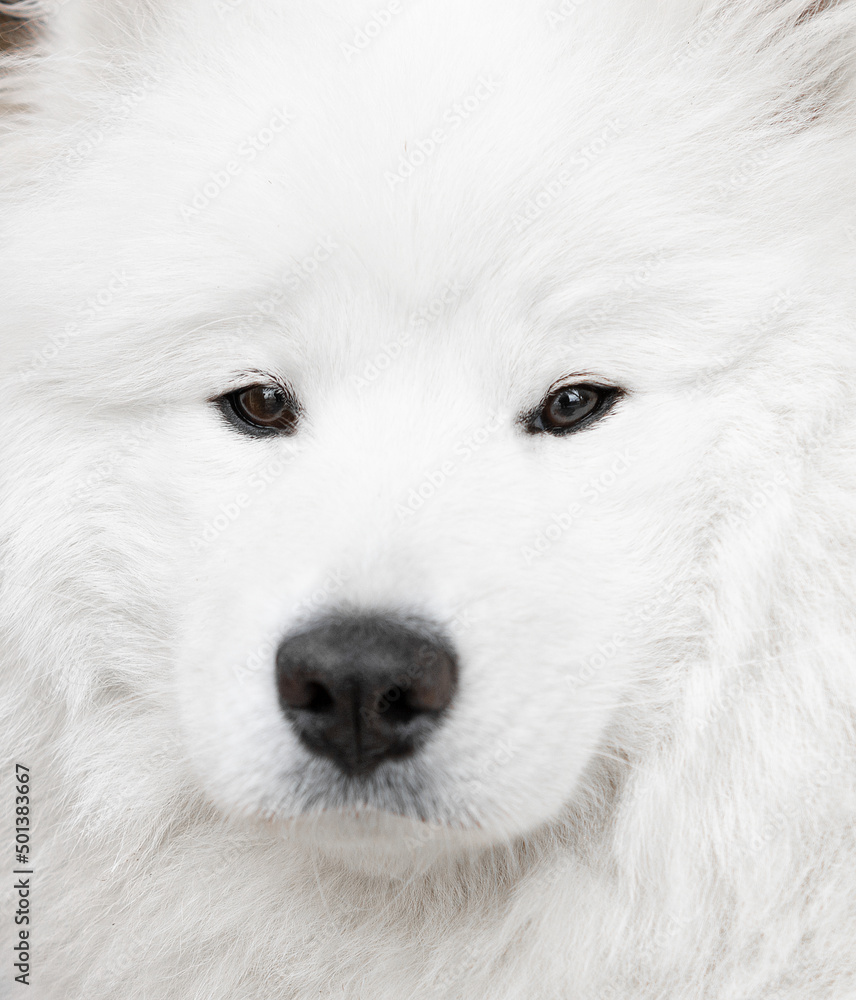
x: 795, y: 59
x: 92, y: 41
x: 819, y: 38
x: 17, y: 24
x: 75, y: 25
x: 795, y: 13
x: 812, y: 9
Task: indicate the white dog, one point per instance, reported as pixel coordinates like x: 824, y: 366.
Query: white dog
x: 428, y: 507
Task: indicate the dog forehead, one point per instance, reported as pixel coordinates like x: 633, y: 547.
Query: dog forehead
x: 517, y: 164
x: 398, y: 148
x: 398, y: 154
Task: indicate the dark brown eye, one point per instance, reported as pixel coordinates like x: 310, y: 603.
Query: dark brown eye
x: 261, y: 409
x: 571, y: 408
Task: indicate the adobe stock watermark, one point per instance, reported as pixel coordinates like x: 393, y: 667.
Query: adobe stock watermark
x: 108, y: 463
x: 748, y: 506
x: 93, y: 134
x: 743, y: 173
x: 264, y: 654
x: 741, y: 682
x: 23, y: 914
x: 631, y: 283
x: 434, y: 481
x: 452, y: 118
x: 388, y: 353
x: 607, y: 650
x: 753, y: 336
x: 245, y: 153
x: 319, y: 598
x: 810, y: 796
x: 289, y: 281
x: 590, y: 493
x: 460, y: 797
x: 224, y: 7
x: 727, y: 697
x: 534, y: 207
x: 114, y: 286
x: 426, y: 657
x: 363, y: 36
x: 557, y: 16
x: 229, y: 512
x: 700, y: 42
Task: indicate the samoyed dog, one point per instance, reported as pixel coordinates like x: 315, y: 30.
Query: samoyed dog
x: 428, y: 504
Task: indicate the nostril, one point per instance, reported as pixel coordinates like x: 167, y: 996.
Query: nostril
x: 297, y: 691
x: 396, y: 708
x: 413, y: 696
x: 320, y: 699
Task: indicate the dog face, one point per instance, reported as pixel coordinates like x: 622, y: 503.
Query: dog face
x: 532, y: 558
x: 403, y: 417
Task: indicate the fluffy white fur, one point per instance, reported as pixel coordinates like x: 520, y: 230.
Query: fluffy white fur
x: 647, y: 785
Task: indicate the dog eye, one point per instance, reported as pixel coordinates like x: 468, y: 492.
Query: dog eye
x: 571, y: 407
x: 261, y: 409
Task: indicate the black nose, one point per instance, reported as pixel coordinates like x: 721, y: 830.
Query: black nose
x: 361, y: 689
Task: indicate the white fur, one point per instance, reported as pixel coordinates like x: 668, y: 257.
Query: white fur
x: 646, y: 785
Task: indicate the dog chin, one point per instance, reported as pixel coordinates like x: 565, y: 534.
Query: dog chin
x: 379, y: 843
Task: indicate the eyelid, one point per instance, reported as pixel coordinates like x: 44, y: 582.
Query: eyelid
x: 580, y: 378
x: 248, y: 378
